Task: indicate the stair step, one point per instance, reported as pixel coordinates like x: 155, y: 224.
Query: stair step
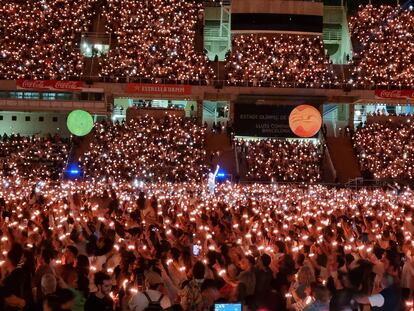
x: 222, y: 144
x: 343, y: 158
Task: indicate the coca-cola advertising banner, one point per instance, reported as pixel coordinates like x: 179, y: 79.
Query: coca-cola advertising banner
x: 158, y: 89
x: 395, y: 94
x: 49, y: 85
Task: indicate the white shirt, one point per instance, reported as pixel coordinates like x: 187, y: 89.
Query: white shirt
x: 376, y: 300
x: 211, y: 180
x: 139, y: 302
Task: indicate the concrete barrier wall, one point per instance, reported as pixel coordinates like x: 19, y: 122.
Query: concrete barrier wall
x: 133, y: 113
x: 277, y: 7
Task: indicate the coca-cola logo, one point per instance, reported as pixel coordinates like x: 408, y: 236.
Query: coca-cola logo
x: 50, y: 84
x: 68, y: 85
x: 35, y: 84
x: 395, y: 94
x: 390, y: 94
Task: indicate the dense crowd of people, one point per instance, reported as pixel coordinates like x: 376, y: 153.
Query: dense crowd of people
x: 33, y: 157
x: 40, y: 39
x: 281, y: 160
x: 155, y: 39
x: 100, y: 246
x: 386, y: 151
x: 171, y: 149
x: 142, y: 230
x: 280, y: 60
x: 385, y: 50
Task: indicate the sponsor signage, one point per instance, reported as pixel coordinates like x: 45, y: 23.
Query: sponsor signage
x: 264, y: 120
x: 158, y: 89
x: 395, y: 94
x: 49, y: 85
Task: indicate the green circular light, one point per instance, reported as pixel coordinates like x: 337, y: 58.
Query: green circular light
x: 80, y: 122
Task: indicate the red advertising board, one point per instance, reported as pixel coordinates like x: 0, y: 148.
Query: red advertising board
x: 394, y: 94
x: 158, y: 89
x: 49, y: 85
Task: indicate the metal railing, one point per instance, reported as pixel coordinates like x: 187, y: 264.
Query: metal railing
x: 332, y: 35
x: 236, y: 157
x: 330, y: 109
x: 215, y: 32
x: 119, y: 111
x: 210, y: 108
x: 330, y: 164
x: 226, y: 83
x: 363, y: 183
x: 360, y: 182
x: 215, y: 3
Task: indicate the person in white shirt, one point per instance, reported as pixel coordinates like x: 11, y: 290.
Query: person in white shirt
x: 387, y: 299
x: 211, y: 183
x: 155, y: 284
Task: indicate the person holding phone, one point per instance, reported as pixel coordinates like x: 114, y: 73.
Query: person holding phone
x: 196, y: 250
x: 211, y: 183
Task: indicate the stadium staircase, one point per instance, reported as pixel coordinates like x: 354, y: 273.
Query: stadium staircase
x: 343, y: 158
x: 226, y: 159
x: 209, y: 110
x: 328, y: 169
x: 219, y: 70
x: 74, y: 147
x: 343, y: 72
x: 79, y: 146
x: 347, y: 72
x: 91, y: 67
x: 243, y: 170
x: 199, y: 37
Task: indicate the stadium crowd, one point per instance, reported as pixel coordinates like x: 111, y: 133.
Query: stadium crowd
x: 154, y: 40
x: 100, y: 246
x: 170, y: 149
x: 385, y: 46
x: 141, y: 232
x: 33, y: 157
x: 386, y: 150
x: 281, y: 160
x: 40, y: 39
x: 282, y: 60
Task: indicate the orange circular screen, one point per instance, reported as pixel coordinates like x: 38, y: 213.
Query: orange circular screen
x: 305, y: 121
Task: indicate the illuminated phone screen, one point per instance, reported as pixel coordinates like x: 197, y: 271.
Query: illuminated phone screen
x: 228, y: 307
